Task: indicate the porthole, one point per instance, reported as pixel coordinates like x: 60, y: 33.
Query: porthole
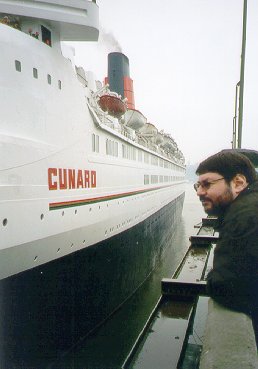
x: 18, y: 65
x: 35, y: 73
x: 5, y: 221
x: 49, y: 79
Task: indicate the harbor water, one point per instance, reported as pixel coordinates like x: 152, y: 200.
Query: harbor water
x: 108, y: 347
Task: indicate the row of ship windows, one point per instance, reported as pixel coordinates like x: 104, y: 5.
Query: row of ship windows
x: 131, y: 153
x: 160, y: 179
x: 35, y: 74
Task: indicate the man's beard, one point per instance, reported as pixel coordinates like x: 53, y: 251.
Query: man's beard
x: 218, y: 206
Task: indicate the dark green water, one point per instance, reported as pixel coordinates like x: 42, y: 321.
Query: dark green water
x: 109, y: 346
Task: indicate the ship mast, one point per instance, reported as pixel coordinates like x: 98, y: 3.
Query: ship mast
x: 237, y: 125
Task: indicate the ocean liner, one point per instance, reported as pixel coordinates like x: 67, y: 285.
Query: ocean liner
x: 89, y: 189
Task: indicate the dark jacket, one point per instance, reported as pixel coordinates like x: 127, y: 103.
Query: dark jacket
x: 233, y: 281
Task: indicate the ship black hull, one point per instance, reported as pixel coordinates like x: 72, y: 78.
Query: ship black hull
x: 47, y: 310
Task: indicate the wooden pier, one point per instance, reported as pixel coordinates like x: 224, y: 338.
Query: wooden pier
x: 175, y: 309
x: 229, y: 340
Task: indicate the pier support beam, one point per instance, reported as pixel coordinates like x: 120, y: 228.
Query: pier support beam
x: 229, y: 340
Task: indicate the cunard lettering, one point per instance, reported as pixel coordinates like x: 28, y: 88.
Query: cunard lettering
x: 66, y: 179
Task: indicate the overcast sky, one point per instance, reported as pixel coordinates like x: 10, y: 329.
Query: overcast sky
x: 185, y: 63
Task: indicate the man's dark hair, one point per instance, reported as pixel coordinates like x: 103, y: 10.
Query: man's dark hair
x: 228, y: 163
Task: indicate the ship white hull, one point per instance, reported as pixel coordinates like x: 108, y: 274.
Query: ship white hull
x: 126, y: 211
x: 47, y: 130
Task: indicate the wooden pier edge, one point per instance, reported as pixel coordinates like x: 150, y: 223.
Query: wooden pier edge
x: 229, y: 341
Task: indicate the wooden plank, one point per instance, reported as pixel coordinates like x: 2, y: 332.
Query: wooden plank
x: 209, y: 221
x: 183, y: 289
x: 163, y: 343
x: 203, y: 239
x: 193, y: 264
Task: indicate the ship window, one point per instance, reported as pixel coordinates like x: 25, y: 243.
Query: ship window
x: 111, y: 147
x: 108, y: 145
x: 139, y: 155
x: 154, y: 179
x: 35, y: 73
x: 146, y: 158
x: 46, y: 36
x: 59, y: 84
x: 95, y: 143
x: 18, y: 65
x: 146, y: 179
x: 133, y: 154
x: 128, y: 152
x: 154, y: 160
x: 49, y: 79
x: 116, y: 149
x: 123, y: 151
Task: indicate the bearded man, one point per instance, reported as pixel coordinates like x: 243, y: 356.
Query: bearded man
x: 228, y: 188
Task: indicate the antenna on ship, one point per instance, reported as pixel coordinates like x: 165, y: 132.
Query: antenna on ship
x: 237, y: 125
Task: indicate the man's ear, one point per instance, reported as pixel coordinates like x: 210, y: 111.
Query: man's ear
x: 239, y: 183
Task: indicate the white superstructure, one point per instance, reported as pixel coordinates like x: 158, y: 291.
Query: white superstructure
x: 72, y: 20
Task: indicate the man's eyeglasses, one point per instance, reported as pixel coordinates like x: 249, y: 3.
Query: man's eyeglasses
x: 206, y: 184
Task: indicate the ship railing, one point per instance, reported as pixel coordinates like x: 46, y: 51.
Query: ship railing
x: 128, y: 134
x: 82, y: 80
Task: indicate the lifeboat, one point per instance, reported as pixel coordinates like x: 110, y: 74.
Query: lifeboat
x: 159, y: 138
x: 113, y: 105
x: 134, y: 119
x: 149, y: 130
x: 168, y: 143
